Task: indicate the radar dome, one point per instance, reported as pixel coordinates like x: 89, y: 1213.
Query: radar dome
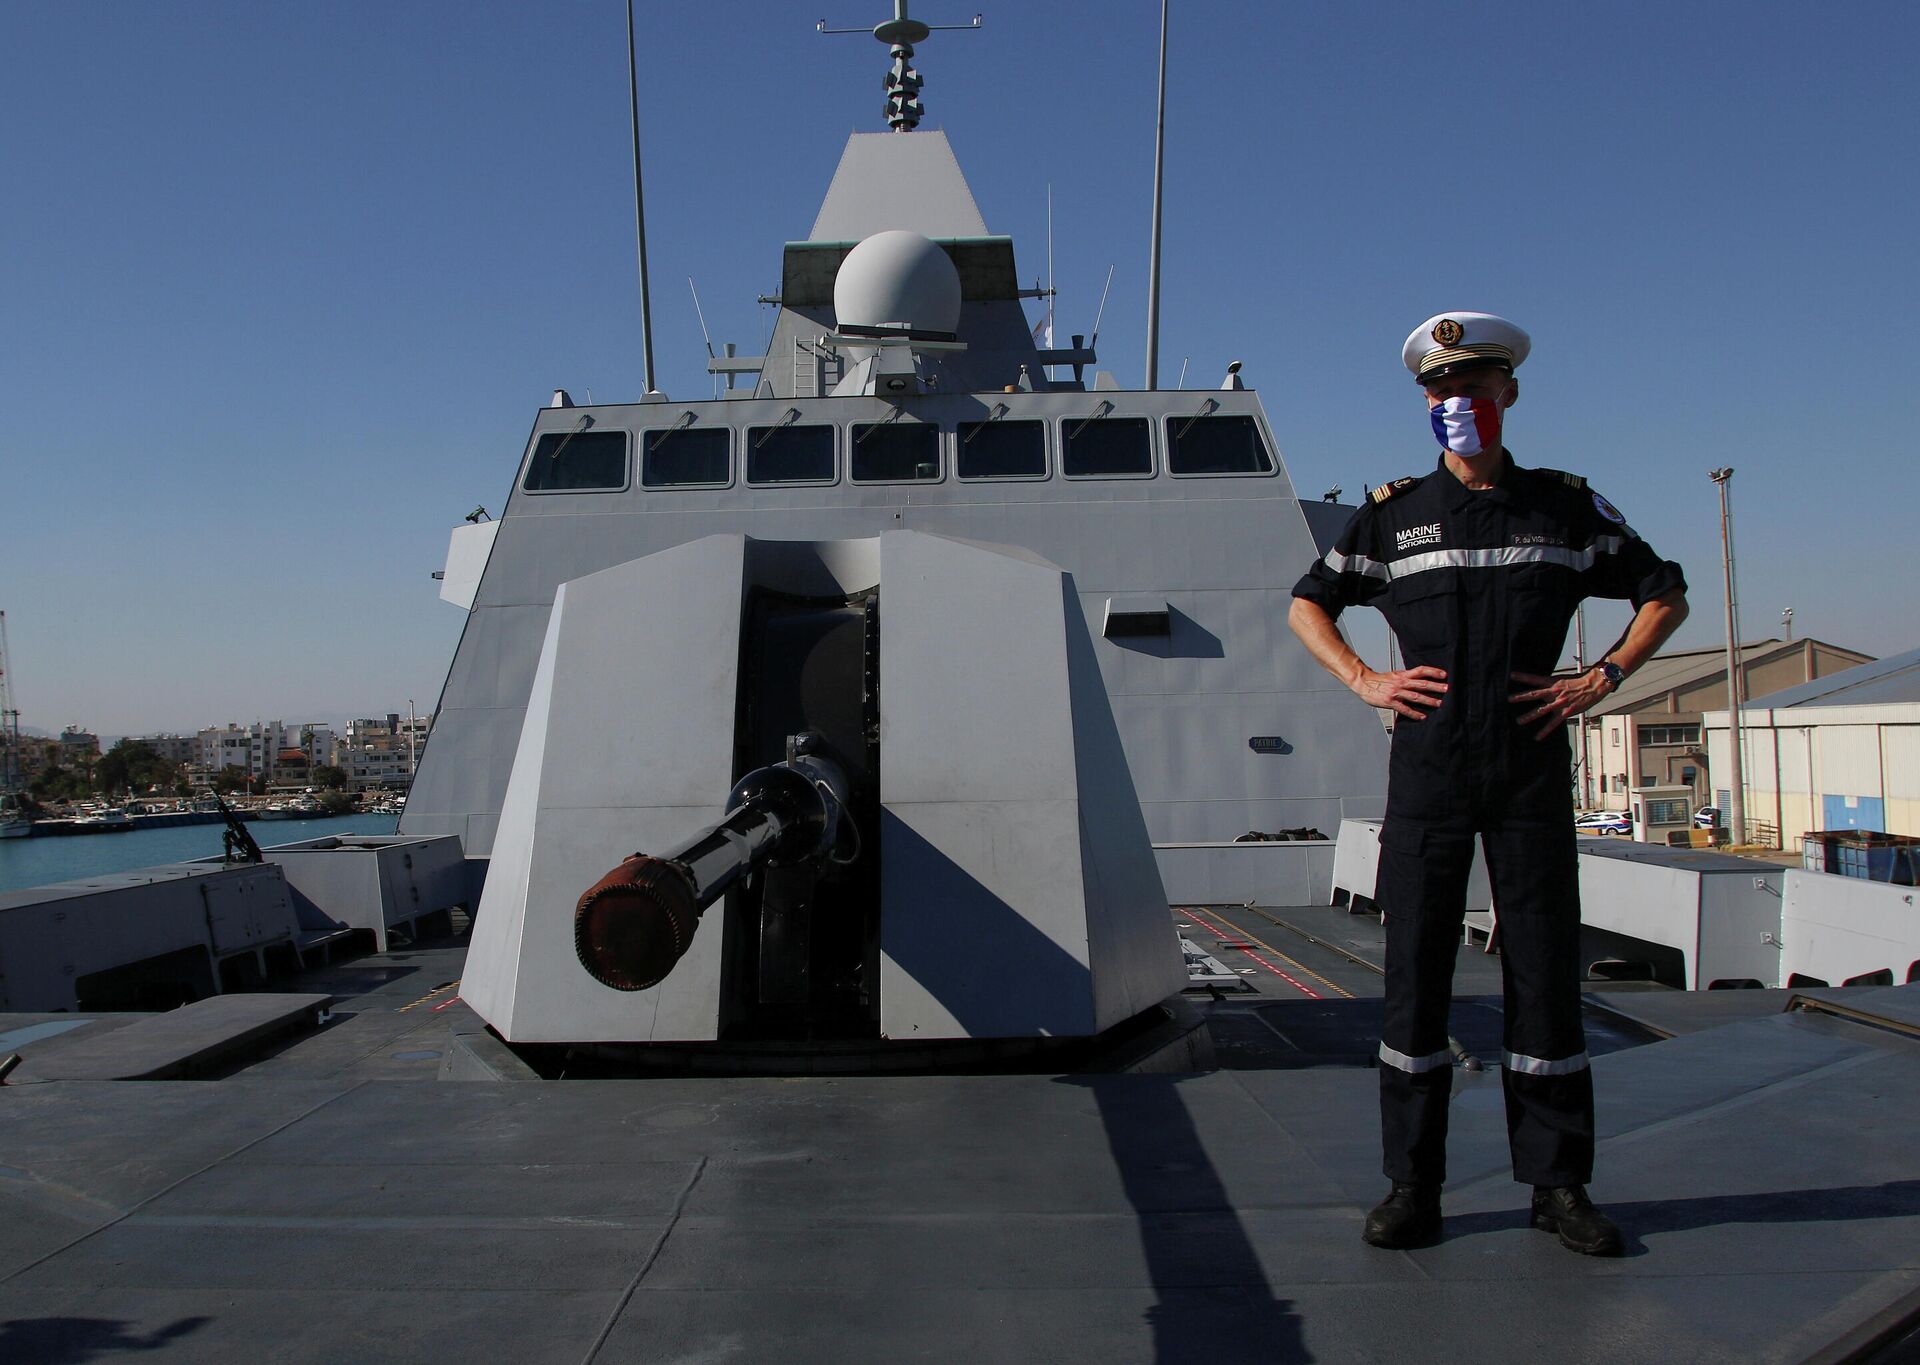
x: 898, y: 279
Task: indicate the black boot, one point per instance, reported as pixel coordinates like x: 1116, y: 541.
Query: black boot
x: 1565, y: 1209
x: 1408, y: 1217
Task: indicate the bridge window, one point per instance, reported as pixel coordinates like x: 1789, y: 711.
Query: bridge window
x: 790, y: 454
x: 578, y: 461
x: 1107, y: 446
x: 1001, y: 450
x: 1216, y: 445
x: 895, y: 452
x: 685, y: 456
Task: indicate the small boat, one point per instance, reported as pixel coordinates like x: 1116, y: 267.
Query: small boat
x: 102, y: 820
x: 304, y: 808
x: 15, y: 822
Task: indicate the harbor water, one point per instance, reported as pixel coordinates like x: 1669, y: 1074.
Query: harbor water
x: 38, y: 862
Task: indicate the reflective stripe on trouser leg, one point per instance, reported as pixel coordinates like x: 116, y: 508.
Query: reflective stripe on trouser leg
x: 1549, y: 1087
x: 1540, y: 1066
x: 1421, y: 890
x: 1413, y: 1066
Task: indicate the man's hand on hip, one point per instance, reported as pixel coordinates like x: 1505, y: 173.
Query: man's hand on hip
x: 1404, y: 690
x: 1555, y: 701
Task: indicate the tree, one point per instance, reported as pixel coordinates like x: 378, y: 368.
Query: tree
x: 330, y: 777
x: 337, y: 802
x: 117, y: 767
x: 59, y: 784
x: 231, y: 780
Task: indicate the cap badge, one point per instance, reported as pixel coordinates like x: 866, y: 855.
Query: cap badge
x: 1448, y: 332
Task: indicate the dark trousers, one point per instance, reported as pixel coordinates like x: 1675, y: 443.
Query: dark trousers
x: 1421, y: 891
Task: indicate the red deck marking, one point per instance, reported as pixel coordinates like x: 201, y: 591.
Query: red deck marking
x: 446, y: 1004
x: 1221, y: 934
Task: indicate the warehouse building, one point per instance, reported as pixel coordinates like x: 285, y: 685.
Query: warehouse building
x: 1649, y: 732
x: 1838, y: 753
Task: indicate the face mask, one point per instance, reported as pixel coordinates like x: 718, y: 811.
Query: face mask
x: 1467, y: 426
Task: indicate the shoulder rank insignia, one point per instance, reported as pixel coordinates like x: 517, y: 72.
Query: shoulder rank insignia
x: 1388, y: 491
x: 1570, y: 480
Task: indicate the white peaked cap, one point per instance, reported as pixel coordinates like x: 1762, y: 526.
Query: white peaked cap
x: 1447, y: 340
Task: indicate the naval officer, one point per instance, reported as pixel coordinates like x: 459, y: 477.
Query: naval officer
x: 1478, y: 567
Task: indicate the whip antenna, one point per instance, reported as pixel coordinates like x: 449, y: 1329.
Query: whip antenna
x: 1102, y: 311
x: 639, y: 209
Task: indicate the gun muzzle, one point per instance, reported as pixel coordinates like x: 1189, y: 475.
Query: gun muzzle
x: 635, y: 923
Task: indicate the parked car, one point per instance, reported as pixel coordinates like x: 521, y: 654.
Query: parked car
x: 1709, y: 817
x: 1603, y: 822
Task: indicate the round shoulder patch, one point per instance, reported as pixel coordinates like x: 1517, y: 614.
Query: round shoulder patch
x: 1608, y: 510
x: 1448, y: 332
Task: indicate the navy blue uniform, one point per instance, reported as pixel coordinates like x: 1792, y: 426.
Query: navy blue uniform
x: 1483, y: 583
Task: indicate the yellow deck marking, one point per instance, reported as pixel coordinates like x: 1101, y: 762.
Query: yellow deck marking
x: 437, y: 990
x: 1338, y: 990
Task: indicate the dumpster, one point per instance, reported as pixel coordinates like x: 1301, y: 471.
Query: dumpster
x: 1868, y: 855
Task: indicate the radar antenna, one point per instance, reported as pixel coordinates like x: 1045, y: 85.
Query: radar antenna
x: 904, y: 110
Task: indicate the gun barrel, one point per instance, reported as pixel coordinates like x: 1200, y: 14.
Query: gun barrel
x: 634, y: 924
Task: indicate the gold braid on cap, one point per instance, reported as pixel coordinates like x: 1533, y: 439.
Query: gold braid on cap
x: 1453, y: 355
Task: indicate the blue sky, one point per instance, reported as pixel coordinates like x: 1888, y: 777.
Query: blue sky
x: 282, y: 286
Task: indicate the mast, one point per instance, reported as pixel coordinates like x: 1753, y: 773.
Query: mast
x: 9, y: 719
x: 900, y: 33
x: 1153, y: 263
x: 639, y: 208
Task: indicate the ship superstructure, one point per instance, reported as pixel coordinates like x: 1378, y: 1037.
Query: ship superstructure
x: 903, y: 389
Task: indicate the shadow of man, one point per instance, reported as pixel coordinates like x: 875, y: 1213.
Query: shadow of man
x: 1212, y: 1298
x: 69, y: 1341
x: 1836, y: 1204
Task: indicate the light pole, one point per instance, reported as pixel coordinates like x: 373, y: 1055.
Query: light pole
x: 1736, y: 779
x: 1583, y: 779
x: 1786, y: 619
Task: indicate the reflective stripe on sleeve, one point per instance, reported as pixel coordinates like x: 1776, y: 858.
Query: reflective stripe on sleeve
x: 1413, y: 1066
x: 1578, y: 560
x: 1360, y: 564
x: 1538, y: 1066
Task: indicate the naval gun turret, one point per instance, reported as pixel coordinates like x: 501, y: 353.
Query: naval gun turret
x: 879, y: 795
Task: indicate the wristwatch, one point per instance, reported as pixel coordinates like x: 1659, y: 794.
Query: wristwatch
x: 1612, y: 672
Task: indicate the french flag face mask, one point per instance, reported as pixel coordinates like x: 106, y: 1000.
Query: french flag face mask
x: 1467, y: 426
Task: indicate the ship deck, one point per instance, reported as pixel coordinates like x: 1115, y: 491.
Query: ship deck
x: 328, y: 1198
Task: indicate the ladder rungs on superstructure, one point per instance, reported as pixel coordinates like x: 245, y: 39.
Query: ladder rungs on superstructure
x: 816, y: 369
